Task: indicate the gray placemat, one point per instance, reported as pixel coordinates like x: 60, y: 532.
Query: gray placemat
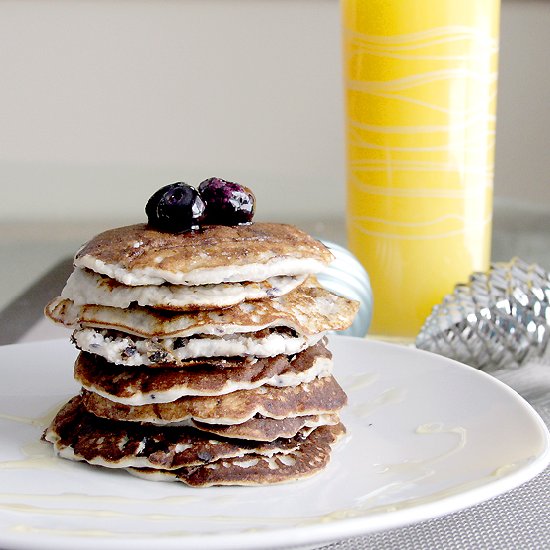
x: 25, y: 310
x: 519, y: 520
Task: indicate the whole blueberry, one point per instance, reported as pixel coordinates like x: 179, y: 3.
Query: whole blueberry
x: 227, y: 203
x: 177, y: 207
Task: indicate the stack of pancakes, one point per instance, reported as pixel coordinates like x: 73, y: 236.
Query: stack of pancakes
x: 203, y: 355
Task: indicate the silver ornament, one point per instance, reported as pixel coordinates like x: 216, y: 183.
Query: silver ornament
x: 499, y: 319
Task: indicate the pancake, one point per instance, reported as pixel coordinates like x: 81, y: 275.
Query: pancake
x: 203, y: 356
x: 78, y: 435
x: 138, y: 255
x: 86, y: 287
x: 307, y: 310
x: 141, y: 385
x: 260, y: 428
x: 320, y: 397
x: 123, y: 349
x: 310, y: 458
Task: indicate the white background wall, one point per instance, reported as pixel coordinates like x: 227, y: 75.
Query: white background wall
x: 102, y: 102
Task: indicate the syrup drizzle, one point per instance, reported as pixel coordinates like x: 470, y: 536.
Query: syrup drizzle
x: 38, y: 454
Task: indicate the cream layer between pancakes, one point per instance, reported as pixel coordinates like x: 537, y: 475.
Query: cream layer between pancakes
x: 252, y: 272
x: 114, y: 346
x: 86, y: 287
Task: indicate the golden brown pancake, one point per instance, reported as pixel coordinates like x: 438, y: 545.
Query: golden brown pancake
x: 311, y: 457
x: 322, y: 396
x: 260, y: 428
x: 141, y: 385
x: 79, y: 435
x: 308, y: 310
x: 138, y: 254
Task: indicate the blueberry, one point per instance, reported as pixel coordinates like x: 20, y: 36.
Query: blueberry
x: 227, y: 203
x: 176, y: 208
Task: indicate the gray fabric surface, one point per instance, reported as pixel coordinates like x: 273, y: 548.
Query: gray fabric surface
x: 519, y: 520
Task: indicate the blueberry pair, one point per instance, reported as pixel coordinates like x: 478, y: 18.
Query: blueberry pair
x: 179, y: 207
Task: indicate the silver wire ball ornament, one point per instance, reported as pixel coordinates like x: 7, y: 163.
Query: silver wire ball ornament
x: 499, y: 319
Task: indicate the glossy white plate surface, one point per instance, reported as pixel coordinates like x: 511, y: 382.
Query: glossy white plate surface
x: 427, y: 436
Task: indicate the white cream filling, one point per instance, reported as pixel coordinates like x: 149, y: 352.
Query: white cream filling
x: 322, y: 420
x: 254, y: 272
x: 113, y: 347
x: 321, y: 367
x: 85, y: 287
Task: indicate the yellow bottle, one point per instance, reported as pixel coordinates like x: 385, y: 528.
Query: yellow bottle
x: 420, y: 78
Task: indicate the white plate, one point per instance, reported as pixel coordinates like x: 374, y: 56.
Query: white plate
x: 427, y: 436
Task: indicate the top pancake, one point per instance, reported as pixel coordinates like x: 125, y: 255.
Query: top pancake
x: 139, y: 255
